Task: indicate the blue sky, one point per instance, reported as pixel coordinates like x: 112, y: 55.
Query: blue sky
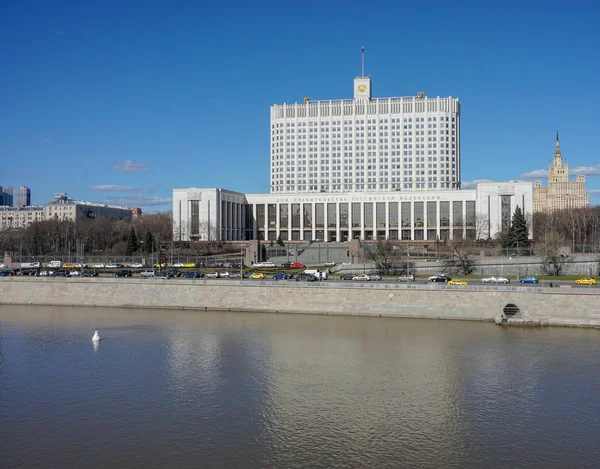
x: 121, y: 102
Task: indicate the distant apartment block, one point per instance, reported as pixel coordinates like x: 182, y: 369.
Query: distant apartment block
x: 61, y: 208
x: 560, y: 193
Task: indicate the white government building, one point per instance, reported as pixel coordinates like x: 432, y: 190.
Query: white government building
x: 357, y: 169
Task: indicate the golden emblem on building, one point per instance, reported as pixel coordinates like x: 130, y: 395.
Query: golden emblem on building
x: 362, y: 88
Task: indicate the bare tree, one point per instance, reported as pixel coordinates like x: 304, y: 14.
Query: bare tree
x: 549, y: 249
x: 387, y: 257
x: 460, y: 261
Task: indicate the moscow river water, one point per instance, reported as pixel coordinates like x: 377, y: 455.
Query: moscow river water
x: 242, y: 390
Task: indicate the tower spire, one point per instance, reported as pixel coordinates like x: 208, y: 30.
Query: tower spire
x: 363, y: 62
x: 557, y: 143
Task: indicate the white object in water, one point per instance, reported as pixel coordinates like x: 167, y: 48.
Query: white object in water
x: 96, y: 337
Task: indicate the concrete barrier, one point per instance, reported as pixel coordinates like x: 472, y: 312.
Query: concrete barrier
x: 564, y: 307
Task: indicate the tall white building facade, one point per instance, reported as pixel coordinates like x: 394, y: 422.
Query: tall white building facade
x: 366, y: 144
x: 23, y: 196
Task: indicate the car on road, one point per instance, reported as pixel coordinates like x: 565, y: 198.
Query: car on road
x: 263, y: 264
x: 46, y: 273
x: 98, y: 266
x: 223, y: 274
x: 329, y: 263
x: 439, y: 278
x: 495, y: 280
x: 460, y: 283
x: 5, y: 273
x: 213, y: 274
x: 89, y: 273
x: 406, y: 278
x: 174, y: 273
x: 304, y: 277
x: 235, y: 275
x: 529, y: 280
x: 137, y: 265
x: 282, y: 276
x: 124, y: 273
x: 148, y: 273
x: 257, y: 276
x: 162, y: 276
x: 297, y: 265
x: 376, y: 277
x: 75, y: 273
x: 178, y: 264
x: 62, y: 273
x: 586, y: 281
x: 286, y: 264
x: 362, y: 278
x: 188, y: 265
x: 347, y: 276
x: 2, y: 266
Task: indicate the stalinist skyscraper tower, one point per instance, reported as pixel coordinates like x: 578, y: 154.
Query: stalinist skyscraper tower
x: 560, y: 193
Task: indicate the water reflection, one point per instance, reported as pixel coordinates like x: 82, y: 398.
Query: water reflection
x: 175, y: 389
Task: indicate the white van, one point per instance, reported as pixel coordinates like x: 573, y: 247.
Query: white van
x: 55, y: 264
x: 316, y: 273
x: 30, y: 265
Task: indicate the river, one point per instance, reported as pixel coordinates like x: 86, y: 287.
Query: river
x: 242, y: 390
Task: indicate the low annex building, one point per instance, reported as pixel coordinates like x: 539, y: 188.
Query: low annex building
x: 221, y: 214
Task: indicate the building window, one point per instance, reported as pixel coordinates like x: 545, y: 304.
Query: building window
x: 368, y: 216
x: 505, y: 212
x: 296, y: 217
x: 419, y: 216
x: 307, y: 216
x: 260, y: 217
x: 344, y: 216
x: 319, y: 216
x: 393, y: 217
x: 405, y: 216
x: 444, y: 214
x: 283, y: 215
x: 356, y: 216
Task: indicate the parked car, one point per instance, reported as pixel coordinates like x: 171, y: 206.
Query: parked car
x: 113, y: 266
x: 62, y: 273
x: 362, y: 278
x: 235, y: 275
x: 347, y: 276
x: 137, y: 265
x: 586, y: 281
x: 148, y: 273
x: 174, y: 273
x: 90, y: 273
x: 282, y: 276
x: 46, y: 273
x: 287, y: 264
x: 179, y: 264
x: 329, y: 263
x: 439, y: 278
x: 304, y: 277
x: 213, y: 274
x: 193, y: 275
x: 223, y: 274
x: 5, y: 273
x: 297, y: 265
x: 124, y: 273
x: 257, y: 276
x: 98, y: 266
x: 3, y: 266
x: 376, y: 277
x: 529, y: 280
x: 188, y: 265
x: 406, y: 278
x: 495, y: 280
x: 263, y: 264
x: 460, y: 283
x: 162, y: 276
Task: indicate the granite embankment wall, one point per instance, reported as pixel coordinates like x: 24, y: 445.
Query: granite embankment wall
x: 560, y: 306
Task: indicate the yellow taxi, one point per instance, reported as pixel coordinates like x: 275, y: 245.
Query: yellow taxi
x: 163, y: 265
x: 460, y: 283
x: 257, y: 276
x: 189, y: 264
x: 586, y: 281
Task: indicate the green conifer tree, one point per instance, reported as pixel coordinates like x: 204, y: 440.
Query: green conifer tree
x: 149, y: 244
x: 132, y: 243
x: 518, y: 233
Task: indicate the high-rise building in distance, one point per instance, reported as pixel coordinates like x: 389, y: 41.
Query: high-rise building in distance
x: 23, y: 196
x: 560, y: 193
x: 6, y: 196
x: 366, y: 144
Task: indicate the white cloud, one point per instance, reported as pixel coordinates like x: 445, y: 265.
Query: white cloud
x: 139, y: 201
x: 590, y: 171
x: 535, y: 174
x: 117, y: 188
x: 130, y: 167
x: 473, y: 184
